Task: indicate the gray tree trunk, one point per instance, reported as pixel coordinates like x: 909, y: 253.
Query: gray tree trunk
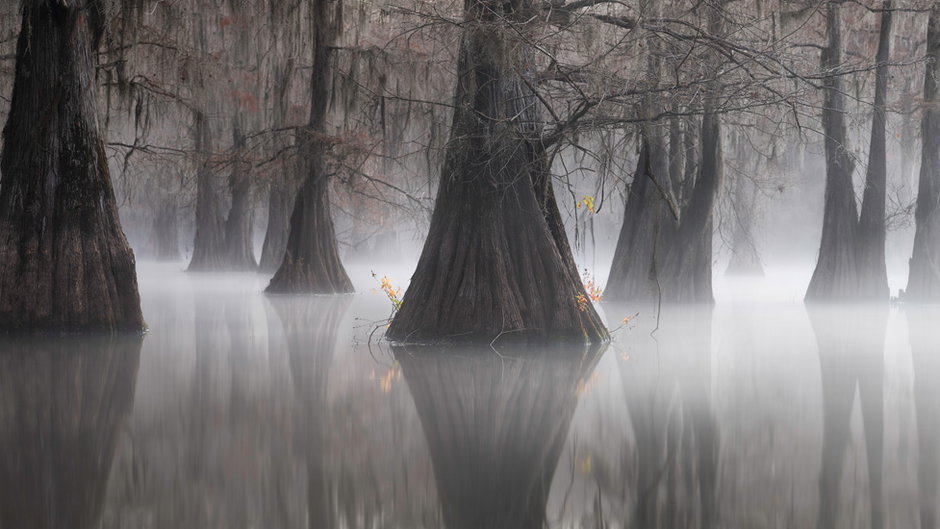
x: 924, y: 280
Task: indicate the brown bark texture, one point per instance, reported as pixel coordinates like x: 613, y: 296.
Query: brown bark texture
x: 496, y: 262
x: 65, y: 260
x: 311, y: 260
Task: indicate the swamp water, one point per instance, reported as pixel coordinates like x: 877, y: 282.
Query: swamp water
x: 241, y: 410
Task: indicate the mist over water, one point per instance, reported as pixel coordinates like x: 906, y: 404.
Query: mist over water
x: 240, y: 409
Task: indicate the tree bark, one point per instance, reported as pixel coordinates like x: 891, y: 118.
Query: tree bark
x: 496, y: 262
x: 924, y: 280
x: 648, y: 226
x: 239, y: 248
x: 851, y: 264
x: 209, y: 242
x: 836, y: 275
x: 65, y: 260
x: 495, y: 428
x: 660, y: 257
x: 647, y: 230
x: 311, y: 259
x: 687, y: 263
x: 873, y: 272
x: 275, y: 236
x: 283, y: 188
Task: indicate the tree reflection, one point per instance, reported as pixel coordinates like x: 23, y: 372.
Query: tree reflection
x: 62, y: 403
x: 311, y: 325
x: 495, y: 425
x: 667, y: 387
x: 925, y: 352
x: 851, y: 357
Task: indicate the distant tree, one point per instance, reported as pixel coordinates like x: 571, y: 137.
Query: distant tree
x: 924, y: 280
x: 311, y: 260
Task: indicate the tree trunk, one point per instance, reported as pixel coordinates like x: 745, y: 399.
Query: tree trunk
x: 873, y: 272
x: 275, y: 236
x: 209, y: 243
x: 659, y: 256
x: 687, y: 264
x: 836, y: 274
x: 924, y: 280
x: 648, y: 226
x: 64, y: 403
x: 851, y: 264
x: 66, y: 263
x: 164, y: 238
x: 283, y: 188
x: 239, y: 251
x: 495, y: 428
x: 496, y: 262
x: 311, y: 260
x: 647, y: 230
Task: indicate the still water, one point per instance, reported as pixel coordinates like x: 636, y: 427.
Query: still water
x: 240, y: 410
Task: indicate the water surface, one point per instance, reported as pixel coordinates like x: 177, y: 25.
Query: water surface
x: 240, y: 410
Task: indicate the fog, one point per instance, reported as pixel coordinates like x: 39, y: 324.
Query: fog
x: 491, y: 264
x: 247, y: 410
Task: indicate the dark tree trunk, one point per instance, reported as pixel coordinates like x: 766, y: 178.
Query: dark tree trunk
x: 209, y: 243
x: 851, y: 357
x: 164, y: 237
x: 496, y: 261
x: 275, y: 237
x: 64, y: 405
x: 924, y: 281
x: 836, y: 274
x: 851, y: 263
x: 647, y: 230
x: 908, y: 142
x: 66, y: 263
x: 311, y: 260
x: 283, y: 189
x: 239, y: 251
x: 676, y: 152
x: 648, y: 225
x: 687, y: 264
x: 873, y: 272
x: 495, y: 428
x: 658, y: 258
